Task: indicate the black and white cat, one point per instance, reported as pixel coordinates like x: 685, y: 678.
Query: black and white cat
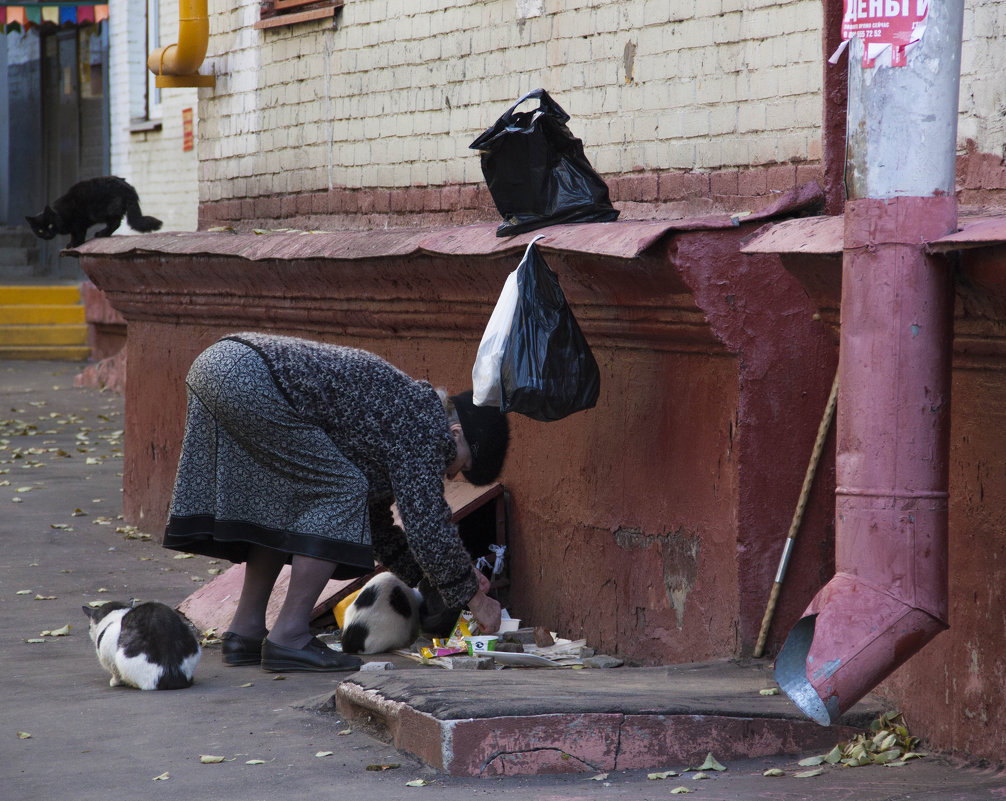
x: 96, y: 200
x: 383, y: 617
x: 147, y: 645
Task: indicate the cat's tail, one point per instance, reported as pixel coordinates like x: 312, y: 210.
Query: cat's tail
x: 138, y: 222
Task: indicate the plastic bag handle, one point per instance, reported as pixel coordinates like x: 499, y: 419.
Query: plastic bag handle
x: 546, y: 103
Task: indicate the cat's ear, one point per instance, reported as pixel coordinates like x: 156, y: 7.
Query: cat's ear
x: 90, y: 611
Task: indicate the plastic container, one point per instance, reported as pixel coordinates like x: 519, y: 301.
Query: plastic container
x: 482, y: 644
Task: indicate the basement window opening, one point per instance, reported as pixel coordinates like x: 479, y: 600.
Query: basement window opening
x: 277, y: 13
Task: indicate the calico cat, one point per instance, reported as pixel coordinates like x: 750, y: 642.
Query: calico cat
x: 87, y: 203
x: 147, y: 644
x: 383, y: 617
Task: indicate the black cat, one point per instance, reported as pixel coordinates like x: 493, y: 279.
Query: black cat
x: 95, y: 200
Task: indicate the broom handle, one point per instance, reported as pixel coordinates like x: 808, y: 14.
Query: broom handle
x: 794, y: 527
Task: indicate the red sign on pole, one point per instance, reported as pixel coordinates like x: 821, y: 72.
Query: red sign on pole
x: 885, y: 23
x: 188, y: 132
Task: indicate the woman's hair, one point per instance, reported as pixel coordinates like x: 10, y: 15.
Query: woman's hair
x: 487, y: 434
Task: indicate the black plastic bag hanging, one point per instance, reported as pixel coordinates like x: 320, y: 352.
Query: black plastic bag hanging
x: 536, y: 171
x: 547, y: 371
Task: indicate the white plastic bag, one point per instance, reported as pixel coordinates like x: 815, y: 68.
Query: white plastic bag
x: 486, y: 371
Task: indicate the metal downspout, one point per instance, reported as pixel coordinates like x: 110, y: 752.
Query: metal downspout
x: 889, y: 595
x: 177, y: 65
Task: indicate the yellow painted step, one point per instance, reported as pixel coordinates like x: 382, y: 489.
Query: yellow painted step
x: 43, y: 334
x: 40, y: 295
x: 68, y: 353
x: 41, y: 315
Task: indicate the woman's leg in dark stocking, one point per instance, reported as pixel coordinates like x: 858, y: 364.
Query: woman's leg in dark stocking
x: 261, y: 571
x: 308, y: 577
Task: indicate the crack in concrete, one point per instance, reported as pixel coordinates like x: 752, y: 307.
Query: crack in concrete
x: 501, y: 755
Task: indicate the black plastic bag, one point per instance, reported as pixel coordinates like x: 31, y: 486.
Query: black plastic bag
x: 536, y: 171
x: 547, y: 371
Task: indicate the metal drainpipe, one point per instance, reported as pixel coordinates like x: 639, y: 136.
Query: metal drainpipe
x: 889, y: 595
x: 178, y: 64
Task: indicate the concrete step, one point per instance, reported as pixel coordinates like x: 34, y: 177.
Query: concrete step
x: 66, y: 353
x: 41, y: 315
x: 43, y: 334
x: 10, y: 256
x: 42, y: 321
x: 40, y: 294
x: 531, y: 721
x: 17, y: 237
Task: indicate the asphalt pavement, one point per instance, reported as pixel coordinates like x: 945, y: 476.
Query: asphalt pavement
x: 65, y: 735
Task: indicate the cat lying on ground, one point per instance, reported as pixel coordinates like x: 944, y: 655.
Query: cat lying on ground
x: 383, y: 617
x: 96, y: 200
x: 147, y: 645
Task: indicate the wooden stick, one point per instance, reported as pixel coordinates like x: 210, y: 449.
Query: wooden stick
x: 808, y: 482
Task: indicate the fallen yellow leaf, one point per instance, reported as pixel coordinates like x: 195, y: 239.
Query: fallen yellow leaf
x: 774, y: 772
x: 711, y: 763
x: 663, y: 774
x: 417, y: 783
x: 324, y: 753
x: 210, y: 759
x: 23, y: 735
x: 255, y: 762
x: 162, y: 778
x: 809, y: 774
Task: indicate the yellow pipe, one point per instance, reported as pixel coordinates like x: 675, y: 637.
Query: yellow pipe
x: 178, y: 64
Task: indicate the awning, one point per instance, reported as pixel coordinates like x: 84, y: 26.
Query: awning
x: 622, y: 239
x: 824, y: 235
x: 25, y: 15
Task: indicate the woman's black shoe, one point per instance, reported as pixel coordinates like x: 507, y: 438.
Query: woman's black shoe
x: 315, y: 657
x: 238, y: 650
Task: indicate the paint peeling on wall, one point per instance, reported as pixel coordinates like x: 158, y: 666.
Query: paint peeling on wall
x: 679, y: 554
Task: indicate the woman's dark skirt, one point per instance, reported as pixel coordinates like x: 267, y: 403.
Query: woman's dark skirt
x: 253, y: 472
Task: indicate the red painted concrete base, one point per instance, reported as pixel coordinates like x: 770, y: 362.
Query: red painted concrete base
x: 520, y: 722
x: 212, y: 606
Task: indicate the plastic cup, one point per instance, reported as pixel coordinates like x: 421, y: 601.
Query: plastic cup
x: 481, y: 644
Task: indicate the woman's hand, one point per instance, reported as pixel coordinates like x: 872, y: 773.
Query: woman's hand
x: 485, y: 609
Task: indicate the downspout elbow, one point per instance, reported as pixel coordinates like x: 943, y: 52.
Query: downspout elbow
x: 853, y: 636
x: 178, y: 64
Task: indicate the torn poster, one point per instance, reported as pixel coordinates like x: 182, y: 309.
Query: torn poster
x: 883, y: 24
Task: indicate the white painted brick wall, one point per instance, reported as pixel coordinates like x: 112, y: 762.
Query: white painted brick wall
x: 393, y: 95
x: 983, y: 77
x: 165, y: 176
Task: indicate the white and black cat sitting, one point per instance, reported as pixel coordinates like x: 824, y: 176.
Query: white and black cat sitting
x: 146, y: 645
x: 96, y: 200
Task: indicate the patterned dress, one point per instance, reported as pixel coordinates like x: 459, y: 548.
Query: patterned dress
x: 302, y: 447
